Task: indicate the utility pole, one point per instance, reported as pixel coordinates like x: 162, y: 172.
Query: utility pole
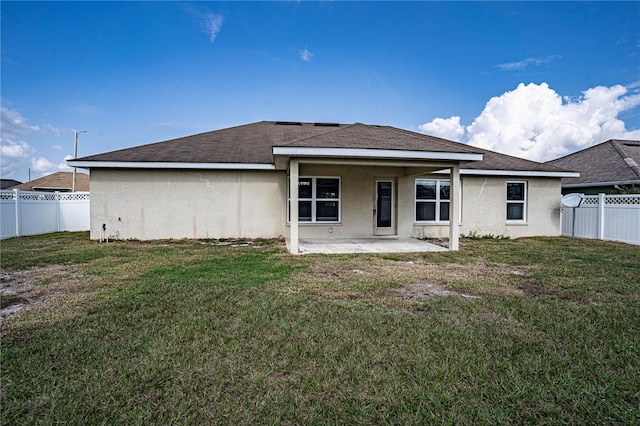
x: 75, y: 155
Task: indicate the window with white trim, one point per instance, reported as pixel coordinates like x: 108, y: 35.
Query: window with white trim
x: 516, y: 201
x: 318, y: 200
x: 432, y: 199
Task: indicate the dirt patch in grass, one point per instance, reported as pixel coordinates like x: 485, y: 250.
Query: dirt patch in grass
x: 534, y: 289
x: 19, y: 289
x: 29, y: 288
x: 423, y: 290
x: 379, y: 279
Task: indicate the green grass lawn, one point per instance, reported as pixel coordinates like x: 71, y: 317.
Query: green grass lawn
x: 201, y: 333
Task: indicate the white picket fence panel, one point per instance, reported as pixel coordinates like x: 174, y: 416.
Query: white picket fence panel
x: 31, y: 213
x: 605, y: 217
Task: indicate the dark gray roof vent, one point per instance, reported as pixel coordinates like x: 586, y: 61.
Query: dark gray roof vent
x: 326, y: 124
x: 288, y: 123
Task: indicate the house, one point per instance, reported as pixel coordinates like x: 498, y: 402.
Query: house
x: 608, y: 168
x: 56, y: 182
x: 352, y: 180
x: 8, y: 183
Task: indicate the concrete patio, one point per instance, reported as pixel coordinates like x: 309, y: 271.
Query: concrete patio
x: 365, y: 245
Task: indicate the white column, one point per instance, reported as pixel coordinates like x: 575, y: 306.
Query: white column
x: 293, y: 208
x: 454, y: 209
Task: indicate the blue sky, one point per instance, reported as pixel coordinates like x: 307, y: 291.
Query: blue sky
x: 532, y: 79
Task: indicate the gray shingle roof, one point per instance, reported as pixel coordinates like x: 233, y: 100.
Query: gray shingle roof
x: 253, y: 143
x: 8, y: 183
x: 493, y: 160
x: 612, y: 161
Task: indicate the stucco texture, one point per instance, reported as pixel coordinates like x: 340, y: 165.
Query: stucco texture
x: 162, y: 204
x: 484, y: 211
x: 151, y: 205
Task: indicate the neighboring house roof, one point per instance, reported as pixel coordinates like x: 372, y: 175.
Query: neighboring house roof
x: 59, y: 181
x: 258, y: 144
x: 609, y: 163
x: 8, y: 183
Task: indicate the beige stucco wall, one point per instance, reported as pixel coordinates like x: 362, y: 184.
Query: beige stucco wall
x: 483, y: 205
x: 357, y: 185
x: 484, y: 201
x: 160, y: 204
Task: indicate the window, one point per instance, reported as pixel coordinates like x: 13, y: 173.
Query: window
x: 432, y: 200
x: 318, y: 199
x: 516, y: 201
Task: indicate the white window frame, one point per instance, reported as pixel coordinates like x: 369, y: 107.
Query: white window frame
x: 314, y: 200
x: 437, y: 201
x: 523, y: 202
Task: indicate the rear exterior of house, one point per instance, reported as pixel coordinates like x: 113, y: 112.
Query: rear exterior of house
x: 353, y: 181
x: 610, y: 167
x: 152, y: 204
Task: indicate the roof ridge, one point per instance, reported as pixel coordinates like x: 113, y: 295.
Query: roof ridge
x: 608, y: 141
x: 421, y: 136
x: 470, y: 148
x: 477, y: 149
x: 617, y: 145
x: 341, y: 127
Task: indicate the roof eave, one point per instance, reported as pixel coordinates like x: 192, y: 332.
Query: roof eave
x: 168, y: 165
x: 518, y: 173
x: 390, y: 154
x: 612, y: 183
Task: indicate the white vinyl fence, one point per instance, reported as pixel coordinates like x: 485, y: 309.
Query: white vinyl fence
x: 31, y: 213
x: 605, y: 217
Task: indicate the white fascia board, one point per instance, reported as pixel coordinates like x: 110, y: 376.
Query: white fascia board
x: 584, y: 185
x: 523, y: 173
x: 520, y: 173
x: 168, y: 165
x: 375, y: 153
x: 51, y: 188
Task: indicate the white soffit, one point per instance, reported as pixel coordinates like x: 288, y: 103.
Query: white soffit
x: 375, y: 153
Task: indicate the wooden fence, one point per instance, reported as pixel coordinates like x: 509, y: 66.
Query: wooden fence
x: 605, y: 217
x: 31, y: 213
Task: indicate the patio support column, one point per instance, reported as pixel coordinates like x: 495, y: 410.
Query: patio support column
x: 294, y: 169
x: 454, y: 209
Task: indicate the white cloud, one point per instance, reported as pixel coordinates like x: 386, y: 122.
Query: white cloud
x: 536, y: 123
x: 63, y: 165
x: 41, y: 165
x: 14, y: 124
x: 306, y: 55
x: 17, y: 156
x: 57, y: 147
x: 212, y: 24
x: 633, y: 85
x: 523, y: 64
x: 448, y: 128
x: 16, y: 150
x: 206, y: 19
x: 55, y: 130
